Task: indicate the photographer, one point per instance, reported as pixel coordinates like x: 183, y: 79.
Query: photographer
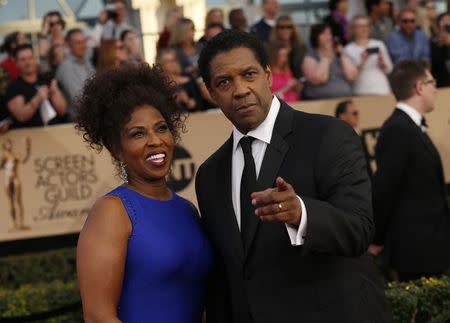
x: 440, y: 51
x: 328, y: 71
x: 371, y: 58
x: 116, y: 14
x: 33, y: 100
x: 52, y: 34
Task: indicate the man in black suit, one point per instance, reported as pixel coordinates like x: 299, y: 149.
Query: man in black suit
x: 410, y: 200
x: 285, y: 202
x: 263, y: 27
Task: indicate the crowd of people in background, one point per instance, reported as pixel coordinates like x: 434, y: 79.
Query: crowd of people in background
x: 343, y: 57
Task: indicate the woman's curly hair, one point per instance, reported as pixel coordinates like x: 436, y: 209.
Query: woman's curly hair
x: 108, y: 99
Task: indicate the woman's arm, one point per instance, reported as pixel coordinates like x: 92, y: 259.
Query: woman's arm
x: 57, y: 98
x: 316, y: 72
x: 384, y: 60
x: 101, y: 254
x: 43, y: 42
x: 350, y: 70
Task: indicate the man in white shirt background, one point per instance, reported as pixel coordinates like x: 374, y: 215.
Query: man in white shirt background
x: 411, y: 212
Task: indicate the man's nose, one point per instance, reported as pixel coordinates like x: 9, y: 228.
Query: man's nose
x: 241, y: 88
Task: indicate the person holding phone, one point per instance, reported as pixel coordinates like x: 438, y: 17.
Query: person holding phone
x: 112, y: 21
x: 371, y: 57
x: 328, y: 72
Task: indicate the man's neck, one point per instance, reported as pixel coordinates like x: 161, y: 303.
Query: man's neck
x: 30, y: 78
x: 415, y: 104
x: 409, y: 36
x: 269, y: 16
x: 79, y: 59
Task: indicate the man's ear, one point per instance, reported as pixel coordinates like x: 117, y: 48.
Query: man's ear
x: 419, y: 87
x: 269, y: 75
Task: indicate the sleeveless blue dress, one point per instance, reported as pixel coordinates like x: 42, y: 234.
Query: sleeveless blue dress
x: 168, y: 259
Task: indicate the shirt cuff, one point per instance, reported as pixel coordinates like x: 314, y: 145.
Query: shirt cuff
x: 297, y: 235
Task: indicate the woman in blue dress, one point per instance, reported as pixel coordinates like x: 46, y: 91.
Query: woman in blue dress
x: 142, y: 255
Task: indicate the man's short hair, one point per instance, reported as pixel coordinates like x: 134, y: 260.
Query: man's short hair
x: 71, y: 32
x: 405, y: 10
x: 370, y: 3
x: 341, y: 107
x: 232, y: 14
x: 20, y: 48
x: 404, y: 77
x: 226, y: 41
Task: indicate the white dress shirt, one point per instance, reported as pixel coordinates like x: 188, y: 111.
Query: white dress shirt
x: 262, y: 135
x: 412, y: 113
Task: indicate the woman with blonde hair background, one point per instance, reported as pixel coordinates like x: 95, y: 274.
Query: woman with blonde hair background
x: 214, y: 16
x: 286, y: 32
x: 187, y: 49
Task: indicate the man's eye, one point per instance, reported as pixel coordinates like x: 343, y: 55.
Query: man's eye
x: 223, y: 82
x: 250, y: 74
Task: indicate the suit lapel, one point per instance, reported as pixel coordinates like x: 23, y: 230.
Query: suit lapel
x: 428, y: 143
x: 424, y: 137
x: 273, y: 158
x: 225, y: 210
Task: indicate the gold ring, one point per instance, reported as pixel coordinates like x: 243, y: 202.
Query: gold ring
x: 280, y: 207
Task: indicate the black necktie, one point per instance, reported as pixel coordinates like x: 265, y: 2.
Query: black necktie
x: 248, y: 183
x: 423, y: 123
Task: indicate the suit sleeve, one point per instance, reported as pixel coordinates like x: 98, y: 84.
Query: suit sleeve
x: 217, y: 305
x: 391, y: 154
x: 340, y: 220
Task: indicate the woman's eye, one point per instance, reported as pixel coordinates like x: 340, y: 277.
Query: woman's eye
x: 137, y: 134
x: 163, y: 128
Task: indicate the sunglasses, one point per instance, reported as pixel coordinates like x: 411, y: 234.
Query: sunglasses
x: 54, y: 23
x: 410, y: 21
x: 285, y: 27
x: 431, y: 81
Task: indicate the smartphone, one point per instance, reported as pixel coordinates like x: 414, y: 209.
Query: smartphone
x: 372, y: 50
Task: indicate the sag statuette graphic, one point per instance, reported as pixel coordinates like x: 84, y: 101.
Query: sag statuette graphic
x: 9, y: 163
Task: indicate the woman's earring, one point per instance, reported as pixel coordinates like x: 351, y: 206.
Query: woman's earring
x: 123, y: 172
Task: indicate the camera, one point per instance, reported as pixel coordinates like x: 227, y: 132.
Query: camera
x: 372, y: 50
x: 111, y: 11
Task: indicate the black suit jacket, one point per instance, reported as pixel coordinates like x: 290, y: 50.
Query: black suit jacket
x: 330, y: 277
x: 410, y: 198
x: 262, y: 30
